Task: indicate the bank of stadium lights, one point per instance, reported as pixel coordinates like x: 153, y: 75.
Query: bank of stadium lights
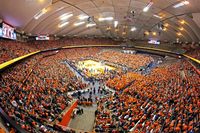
x: 65, y: 16
x: 90, y: 25
x: 63, y: 24
x: 182, y: 3
x: 148, y: 6
x: 79, y: 23
x: 133, y: 29
x: 115, y: 23
x: 40, y: 14
x: 106, y: 19
x: 83, y: 17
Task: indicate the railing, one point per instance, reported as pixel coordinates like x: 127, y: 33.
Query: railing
x: 191, y: 58
x: 10, y: 62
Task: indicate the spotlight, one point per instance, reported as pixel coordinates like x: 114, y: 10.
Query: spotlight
x: 133, y: 13
x: 90, y: 19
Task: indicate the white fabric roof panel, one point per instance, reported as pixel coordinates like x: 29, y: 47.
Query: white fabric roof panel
x: 22, y: 15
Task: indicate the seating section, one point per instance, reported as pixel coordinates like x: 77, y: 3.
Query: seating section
x: 133, y: 61
x: 120, y: 82
x: 164, y: 46
x: 70, y: 42
x: 162, y: 101
x: 10, y: 50
x: 195, y: 53
x: 34, y: 91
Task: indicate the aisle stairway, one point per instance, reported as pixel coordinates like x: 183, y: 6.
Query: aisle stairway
x: 85, y: 122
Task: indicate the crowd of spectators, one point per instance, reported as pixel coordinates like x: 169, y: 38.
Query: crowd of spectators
x: 122, y: 81
x: 195, y: 53
x: 34, y: 91
x: 133, y: 61
x: 163, y: 101
x: 41, y: 45
x: 76, y: 84
x: 12, y: 49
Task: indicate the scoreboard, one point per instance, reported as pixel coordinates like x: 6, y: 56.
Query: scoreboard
x: 42, y: 37
x: 1, y: 32
x: 154, y: 41
x: 7, y: 32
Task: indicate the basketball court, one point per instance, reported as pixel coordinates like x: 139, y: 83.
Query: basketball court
x: 93, y: 68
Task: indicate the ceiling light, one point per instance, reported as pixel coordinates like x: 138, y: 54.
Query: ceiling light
x: 181, y: 28
x: 59, y: 9
x: 41, y: 1
x: 154, y: 33
x: 63, y: 24
x: 39, y: 14
x: 148, y: 6
x: 179, y: 33
x: 125, y: 26
x: 107, y: 18
x: 146, y: 33
x: 108, y: 28
x: 78, y: 23
x: 182, y: 21
x: 157, y: 16
x: 182, y: 3
x: 115, y: 23
x: 186, y: 2
x: 82, y: 17
x: 166, y: 24
x: 164, y: 29
x: 133, y: 29
x: 123, y: 33
x: 116, y: 30
x: 90, y: 25
x: 66, y: 16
